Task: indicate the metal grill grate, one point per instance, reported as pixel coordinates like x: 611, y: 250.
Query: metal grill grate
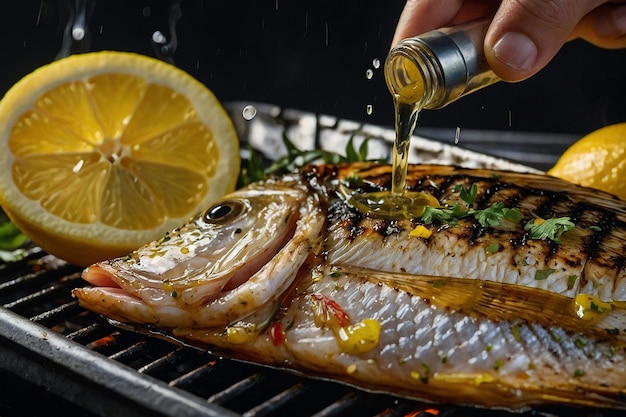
x: 60, y: 345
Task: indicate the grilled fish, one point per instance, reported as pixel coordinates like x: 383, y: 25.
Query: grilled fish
x: 508, y: 292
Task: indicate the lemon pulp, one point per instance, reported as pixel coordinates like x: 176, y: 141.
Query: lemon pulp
x: 109, y: 150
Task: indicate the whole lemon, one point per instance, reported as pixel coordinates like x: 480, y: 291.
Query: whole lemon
x: 596, y: 160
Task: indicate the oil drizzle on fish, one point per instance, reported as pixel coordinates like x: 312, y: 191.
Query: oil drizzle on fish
x: 398, y: 202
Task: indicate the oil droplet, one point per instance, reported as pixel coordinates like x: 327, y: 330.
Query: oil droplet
x: 369, y: 74
x: 457, y: 133
x: 384, y: 205
x: 369, y: 109
x: 249, y: 112
x: 376, y: 63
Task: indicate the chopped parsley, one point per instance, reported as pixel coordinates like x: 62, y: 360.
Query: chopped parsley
x: 611, y: 352
x: 571, y: 280
x: 492, y: 248
x: 493, y: 215
x: 549, y: 229
x: 596, y: 308
x: 580, y: 342
x: 515, y: 332
x: 448, y: 215
x: 467, y: 194
x: 542, y: 274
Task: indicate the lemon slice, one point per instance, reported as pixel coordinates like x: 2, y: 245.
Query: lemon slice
x: 105, y: 151
x: 597, y: 160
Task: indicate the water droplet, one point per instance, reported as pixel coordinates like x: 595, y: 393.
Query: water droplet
x: 376, y: 63
x: 369, y: 109
x: 369, y: 74
x: 249, y: 112
x: 158, y: 37
x: 457, y: 133
x: 164, y: 48
x: 146, y: 11
x: 78, y: 33
x: 75, y: 34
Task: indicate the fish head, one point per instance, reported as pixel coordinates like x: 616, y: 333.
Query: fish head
x: 214, y: 252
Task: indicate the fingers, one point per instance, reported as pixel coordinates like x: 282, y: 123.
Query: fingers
x: 420, y: 16
x: 526, y: 34
x: 604, y: 26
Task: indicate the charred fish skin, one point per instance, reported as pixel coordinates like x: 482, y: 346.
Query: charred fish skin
x: 590, y: 259
x: 446, y: 316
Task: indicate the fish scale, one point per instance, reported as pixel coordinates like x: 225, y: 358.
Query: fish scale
x: 447, y: 318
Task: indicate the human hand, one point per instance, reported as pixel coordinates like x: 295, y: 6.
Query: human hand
x: 524, y: 35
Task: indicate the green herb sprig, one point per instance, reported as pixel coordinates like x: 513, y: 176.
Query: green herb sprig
x: 549, y: 229
x: 258, y: 169
x: 491, y: 216
x: 11, y: 238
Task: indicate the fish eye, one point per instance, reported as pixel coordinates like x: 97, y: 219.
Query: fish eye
x: 224, y: 211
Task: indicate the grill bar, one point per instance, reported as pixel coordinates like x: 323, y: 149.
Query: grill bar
x: 85, y: 377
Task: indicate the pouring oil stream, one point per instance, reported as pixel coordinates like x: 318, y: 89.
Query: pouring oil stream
x: 425, y: 72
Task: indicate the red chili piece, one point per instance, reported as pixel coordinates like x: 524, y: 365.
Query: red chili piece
x: 334, y: 308
x: 277, y: 334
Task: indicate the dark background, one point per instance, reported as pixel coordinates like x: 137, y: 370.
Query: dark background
x: 313, y: 55
x: 304, y: 54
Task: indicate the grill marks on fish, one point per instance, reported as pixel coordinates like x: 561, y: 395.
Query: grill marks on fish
x: 594, y: 248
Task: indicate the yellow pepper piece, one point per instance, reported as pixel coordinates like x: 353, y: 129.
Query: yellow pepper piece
x: 589, y: 307
x: 421, y: 231
x: 359, y: 337
x: 239, y: 335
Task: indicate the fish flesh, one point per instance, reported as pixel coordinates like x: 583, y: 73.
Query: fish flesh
x: 508, y: 291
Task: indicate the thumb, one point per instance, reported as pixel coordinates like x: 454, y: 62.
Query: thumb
x: 526, y: 34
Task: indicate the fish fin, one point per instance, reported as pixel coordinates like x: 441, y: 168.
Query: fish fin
x: 502, y: 301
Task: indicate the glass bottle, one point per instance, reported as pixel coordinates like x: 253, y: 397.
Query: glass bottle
x: 433, y: 69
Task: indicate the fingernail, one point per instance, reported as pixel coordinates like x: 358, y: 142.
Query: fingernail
x: 516, y: 51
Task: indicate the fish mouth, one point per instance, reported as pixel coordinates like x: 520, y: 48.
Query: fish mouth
x: 104, y: 274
